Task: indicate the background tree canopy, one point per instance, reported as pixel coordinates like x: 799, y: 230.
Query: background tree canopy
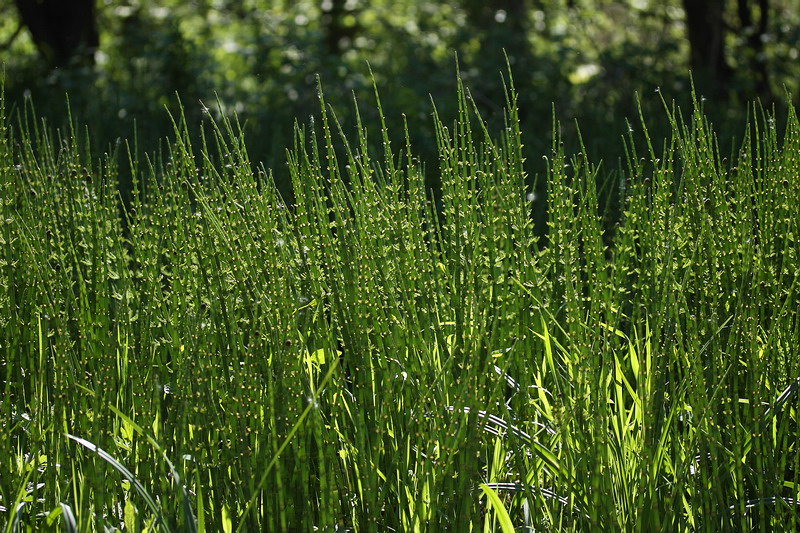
x: 122, y: 61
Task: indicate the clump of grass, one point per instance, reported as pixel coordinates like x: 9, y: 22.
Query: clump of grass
x: 376, y: 357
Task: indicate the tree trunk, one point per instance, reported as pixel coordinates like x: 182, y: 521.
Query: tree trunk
x: 60, y: 29
x: 706, y: 32
x: 755, y: 31
x: 337, y: 32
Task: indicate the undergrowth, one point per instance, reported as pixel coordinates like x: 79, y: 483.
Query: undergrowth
x: 376, y: 357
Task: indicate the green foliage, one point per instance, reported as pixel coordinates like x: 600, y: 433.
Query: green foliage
x: 260, y: 59
x: 373, y: 357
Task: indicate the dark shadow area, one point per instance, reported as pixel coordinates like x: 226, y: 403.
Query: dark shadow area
x: 587, y: 63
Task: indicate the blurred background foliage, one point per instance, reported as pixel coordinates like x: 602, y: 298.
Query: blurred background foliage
x: 123, y: 61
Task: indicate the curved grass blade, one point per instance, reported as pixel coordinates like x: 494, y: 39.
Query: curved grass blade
x: 499, y: 509
x: 189, y: 519
x: 69, y: 518
x: 65, y: 512
x: 127, y: 474
x: 14, y: 525
x: 545, y: 493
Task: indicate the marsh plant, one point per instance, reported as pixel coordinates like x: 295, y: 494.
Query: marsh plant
x: 374, y: 356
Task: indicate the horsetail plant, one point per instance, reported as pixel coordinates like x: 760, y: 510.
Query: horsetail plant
x: 373, y: 355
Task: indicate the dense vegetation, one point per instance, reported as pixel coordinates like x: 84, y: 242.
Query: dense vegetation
x: 588, y: 58
x: 375, y: 357
x: 421, y: 317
